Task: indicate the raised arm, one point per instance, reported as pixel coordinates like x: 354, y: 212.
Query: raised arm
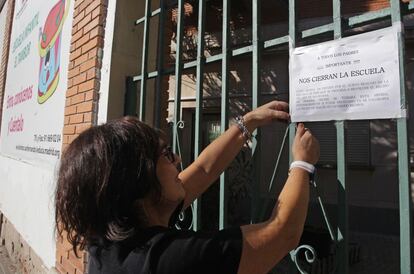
x: 197, y: 177
x: 265, y: 244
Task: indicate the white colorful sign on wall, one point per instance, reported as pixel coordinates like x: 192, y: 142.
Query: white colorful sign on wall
x: 34, y: 100
x: 351, y: 78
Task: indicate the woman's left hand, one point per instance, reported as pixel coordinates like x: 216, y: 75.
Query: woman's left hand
x: 263, y: 115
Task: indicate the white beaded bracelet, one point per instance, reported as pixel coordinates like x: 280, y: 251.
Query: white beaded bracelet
x: 242, y: 126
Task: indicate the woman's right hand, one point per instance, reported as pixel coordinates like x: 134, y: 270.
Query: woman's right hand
x: 265, y: 114
x: 305, y: 146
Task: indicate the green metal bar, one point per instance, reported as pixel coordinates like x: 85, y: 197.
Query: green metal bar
x: 403, y: 155
x: 369, y: 16
x: 224, y: 105
x: 142, y: 20
x: 150, y: 75
x: 276, y: 42
x: 144, y: 63
x: 130, y: 106
x: 242, y: 50
x: 199, y: 97
x: 342, y: 229
x: 317, y: 30
x: 155, y: 12
x: 178, y: 72
x: 160, y: 63
x: 256, y: 87
x: 293, y: 34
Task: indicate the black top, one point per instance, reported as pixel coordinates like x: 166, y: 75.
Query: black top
x: 161, y: 250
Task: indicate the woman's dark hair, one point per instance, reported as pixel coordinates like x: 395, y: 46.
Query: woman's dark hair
x: 103, y: 174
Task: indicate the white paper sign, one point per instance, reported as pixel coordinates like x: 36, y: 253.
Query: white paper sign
x: 347, y: 79
x: 35, y: 92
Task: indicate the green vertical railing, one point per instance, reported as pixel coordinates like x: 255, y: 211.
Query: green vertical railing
x: 160, y: 63
x: 403, y: 154
x: 178, y: 73
x: 144, y: 62
x: 293, y: 34
x: 224, y: 105
x: 342, y: 226
x: 256, y: 89
x: 199, y: 98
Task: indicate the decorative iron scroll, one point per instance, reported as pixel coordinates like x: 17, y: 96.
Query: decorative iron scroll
x: 310, y: 256
x: 185, y: 218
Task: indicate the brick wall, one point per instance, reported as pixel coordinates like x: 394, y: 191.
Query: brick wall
x: 82, y: 96
x: 5, y: 52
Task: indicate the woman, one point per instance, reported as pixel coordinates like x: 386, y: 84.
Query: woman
x: 119, y: 189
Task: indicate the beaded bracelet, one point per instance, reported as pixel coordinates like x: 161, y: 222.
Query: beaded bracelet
x: 242, y: 126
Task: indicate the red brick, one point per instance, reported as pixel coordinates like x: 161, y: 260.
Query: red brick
x: 77, y: 3
x: 70, y: 110
x: 77, y: 36
x: 81, y: 59
x: 78, y: 17
x: 65, y: 141
x: 87, y: 117
x: 84, y: 21
x: 71, y: 91
x: 69, y: 129
x: 93, y: 53
x: 88, y: 85
x: 92, y: 6
x: 77, y: 99
x: 83, y: 40
x: 79, y: 79
x: 76, y: 119
x: 90, y: 95
x: 66, y: 120
x: 97, y: 31
x: 82, y: 127
x: 84, y: 107
x: 89, y: 64
x: 92, y: 73
x: 93, y: 43
x: 77, y: 262
x: 72, y: 137
x: 73, y: 72
x: 70, y: 83
x: 84, y: 4
x: 101, y: 10
x: 74, y: 29
x: 61, y: 268
x: 91, y: 25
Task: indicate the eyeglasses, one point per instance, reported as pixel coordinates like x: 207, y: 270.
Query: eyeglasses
x: 169, y: 154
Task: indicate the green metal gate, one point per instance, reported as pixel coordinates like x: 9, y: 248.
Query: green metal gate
x: 336, y: 27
